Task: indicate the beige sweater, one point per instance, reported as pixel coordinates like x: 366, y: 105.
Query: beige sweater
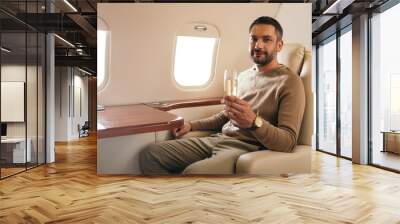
x: 278, y: 97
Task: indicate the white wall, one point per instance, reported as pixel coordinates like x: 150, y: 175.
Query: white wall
x: 62, y: 80
x: 33, y: 127
x: 82, y: 82
x: 17, y: 73
x: 67, y: 116
x: 80, y: 103
x: 142, y: 41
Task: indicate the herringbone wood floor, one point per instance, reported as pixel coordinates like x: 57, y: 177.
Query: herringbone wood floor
x: 69, y: 191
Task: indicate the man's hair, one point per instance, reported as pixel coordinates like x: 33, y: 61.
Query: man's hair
x: 266, y: 20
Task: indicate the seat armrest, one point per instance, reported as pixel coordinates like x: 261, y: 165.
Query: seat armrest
x: 275, y: 163
x: 198, y: 134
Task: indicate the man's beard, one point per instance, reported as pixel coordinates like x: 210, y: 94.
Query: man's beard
x: 264, y: 60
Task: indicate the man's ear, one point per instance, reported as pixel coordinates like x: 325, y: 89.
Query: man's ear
x: 279, y: 45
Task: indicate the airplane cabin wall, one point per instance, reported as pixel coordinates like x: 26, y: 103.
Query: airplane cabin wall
x: 142, y: 41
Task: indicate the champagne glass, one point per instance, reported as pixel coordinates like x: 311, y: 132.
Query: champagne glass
x: 230, y: 83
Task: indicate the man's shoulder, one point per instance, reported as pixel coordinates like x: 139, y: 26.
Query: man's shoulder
x: 284, y: 70
x: 288, y: 74
x: 289, y: 80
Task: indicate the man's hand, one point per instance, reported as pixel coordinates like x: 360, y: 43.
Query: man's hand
x: 182, y: 130
x: 239, y: 111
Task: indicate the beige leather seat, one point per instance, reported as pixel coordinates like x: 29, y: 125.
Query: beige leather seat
x: 297, y: 58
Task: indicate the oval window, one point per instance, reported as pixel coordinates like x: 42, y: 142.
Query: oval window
x: 195, y: 53
x: 103, y: 51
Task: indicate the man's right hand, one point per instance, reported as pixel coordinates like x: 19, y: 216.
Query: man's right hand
x: 181, y: 131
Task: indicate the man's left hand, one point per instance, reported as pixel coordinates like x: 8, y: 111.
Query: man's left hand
x: 239, y: 111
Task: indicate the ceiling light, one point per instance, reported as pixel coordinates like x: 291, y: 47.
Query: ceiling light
x: 64, y: 40
x: 337, y: 7
x: 70, y: 5
x: 84, y: 71
x: 79, y: 51
x: 5, y: 50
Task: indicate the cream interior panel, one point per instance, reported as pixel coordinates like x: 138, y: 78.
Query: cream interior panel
x: 142, y: 45
x: 194, y: 113
x: 295, y: 24
x: 120, y: 155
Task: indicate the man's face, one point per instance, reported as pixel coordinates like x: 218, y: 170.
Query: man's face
x: 264, y: 44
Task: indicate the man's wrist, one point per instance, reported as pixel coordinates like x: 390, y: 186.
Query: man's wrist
x: 252, y: 122
x: 257, y: 123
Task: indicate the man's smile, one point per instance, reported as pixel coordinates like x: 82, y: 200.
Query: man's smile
x: 258, y: 54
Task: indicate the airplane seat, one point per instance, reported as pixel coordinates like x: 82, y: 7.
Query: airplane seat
x: 298, y: 59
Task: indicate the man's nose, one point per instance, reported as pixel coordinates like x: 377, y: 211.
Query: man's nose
x: 259, y: 44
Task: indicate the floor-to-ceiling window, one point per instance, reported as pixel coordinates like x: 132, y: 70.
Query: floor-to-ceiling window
x: 334, y: 94
x: 326, y: 95
x: 346, y: 92
x: 22, y: 77
x: 385, y: 89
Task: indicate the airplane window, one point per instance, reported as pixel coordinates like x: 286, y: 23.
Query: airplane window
x: 103, y: 45
x: 194, y: 60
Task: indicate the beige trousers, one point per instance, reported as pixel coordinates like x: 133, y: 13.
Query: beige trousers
x: 216, y: 154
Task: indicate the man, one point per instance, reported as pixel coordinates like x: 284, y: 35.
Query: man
x: 267, y: 114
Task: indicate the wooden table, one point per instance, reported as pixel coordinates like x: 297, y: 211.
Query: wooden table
x: 133, y: 119
x: 391, y: 141
x: 123, y: 131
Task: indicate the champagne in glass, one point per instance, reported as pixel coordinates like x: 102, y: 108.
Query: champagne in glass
x: 230, y: 83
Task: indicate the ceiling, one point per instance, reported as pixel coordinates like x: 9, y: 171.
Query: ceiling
x: 75, y: 21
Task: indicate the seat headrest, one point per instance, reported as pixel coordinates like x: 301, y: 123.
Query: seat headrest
x: 298, y: 59
x: 292, y: 55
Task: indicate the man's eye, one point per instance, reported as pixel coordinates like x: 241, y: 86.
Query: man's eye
x: 266, y: 39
